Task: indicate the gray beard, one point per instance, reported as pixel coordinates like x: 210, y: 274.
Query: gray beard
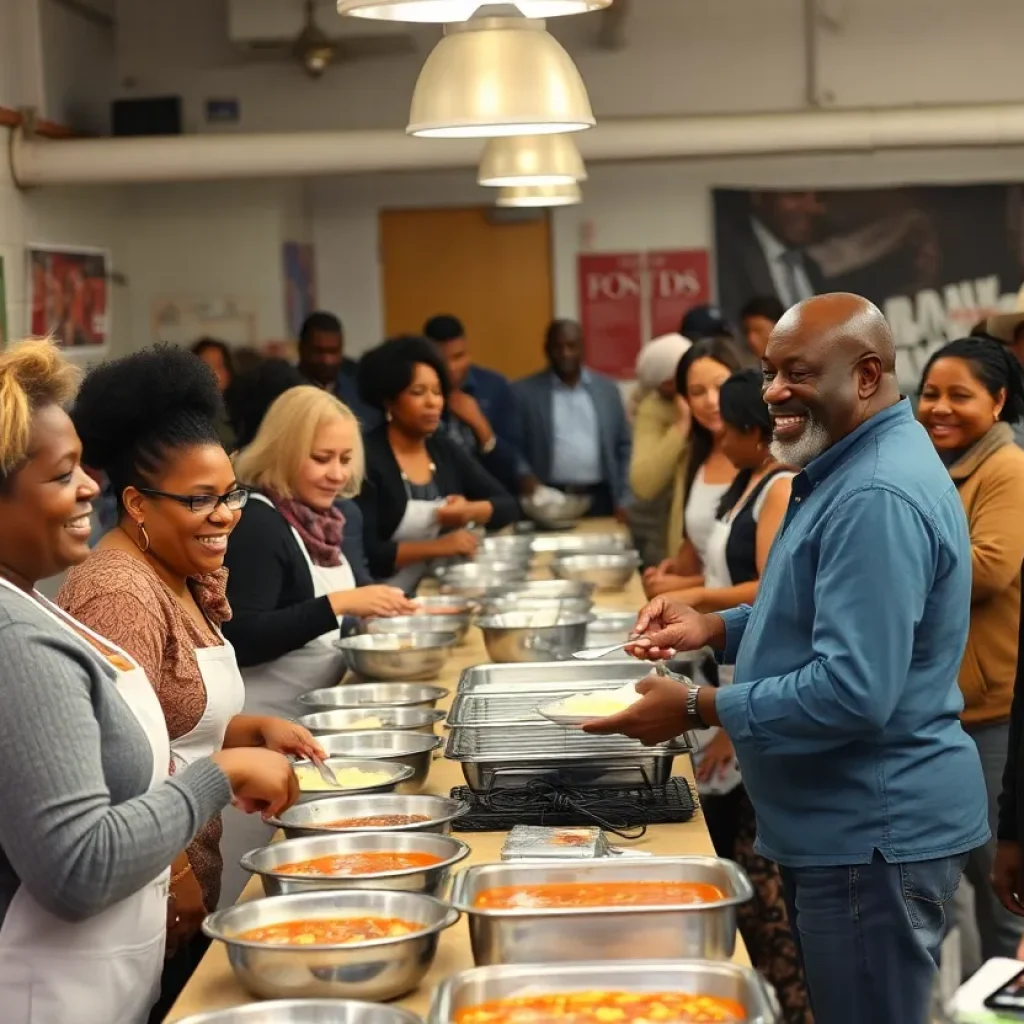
x: 814, y: 441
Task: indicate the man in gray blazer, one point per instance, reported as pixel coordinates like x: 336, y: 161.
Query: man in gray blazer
x: 575, y: 432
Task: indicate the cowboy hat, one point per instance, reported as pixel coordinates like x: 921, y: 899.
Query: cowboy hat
x: 1003, y: 326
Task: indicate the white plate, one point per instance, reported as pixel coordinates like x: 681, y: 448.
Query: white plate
x: 552, y: 714
x: 572, y: 721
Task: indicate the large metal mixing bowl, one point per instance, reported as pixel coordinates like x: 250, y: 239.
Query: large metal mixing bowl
x: 457, y: 624
x: 397, y: 655
x: 606, y: 572
x: 324, y: 723
x: 475, y: 580
x: 380, y: 969
x: 397, y: 775
x: 558, y: 515
x: 307, y: 1011
x: 405, y: 748
x: 372, y: 695
x: 544, y: 635
x: 315, y: 819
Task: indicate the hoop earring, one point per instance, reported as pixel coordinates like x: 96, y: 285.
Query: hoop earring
x: 387, y: 415
x: 143, y: 538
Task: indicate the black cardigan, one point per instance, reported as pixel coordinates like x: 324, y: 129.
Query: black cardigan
x: 384, y: 497
x: 1011, y: 800
x: 270, y: 589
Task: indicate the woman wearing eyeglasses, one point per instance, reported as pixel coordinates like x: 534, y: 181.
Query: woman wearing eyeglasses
x: 155, y: 585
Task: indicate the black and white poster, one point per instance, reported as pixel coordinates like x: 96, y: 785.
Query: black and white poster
x: 935, y: 259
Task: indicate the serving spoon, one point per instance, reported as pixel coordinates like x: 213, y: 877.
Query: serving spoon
x: 326, y: 772
x: 594, y: 653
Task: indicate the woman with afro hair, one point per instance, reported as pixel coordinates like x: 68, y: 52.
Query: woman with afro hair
x: 156, y: 584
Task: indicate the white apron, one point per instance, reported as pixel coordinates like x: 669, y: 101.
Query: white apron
x: 225, y: 698
x: 272, y: 688
x: 105, y: 970
x: 418, y: 523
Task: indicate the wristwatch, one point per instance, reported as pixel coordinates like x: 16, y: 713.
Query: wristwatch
x: 692, y: 710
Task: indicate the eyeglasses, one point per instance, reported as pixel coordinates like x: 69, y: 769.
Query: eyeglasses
x: 204, y: 504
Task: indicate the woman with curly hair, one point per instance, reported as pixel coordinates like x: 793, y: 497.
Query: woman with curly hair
x: 422, y: 490
x: 156, y: 585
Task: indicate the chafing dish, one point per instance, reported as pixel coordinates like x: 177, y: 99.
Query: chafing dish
x: 397, y: 775
x: 543, y: 635
x: 372, y: 695
x: 477, y: 581
x: 518, y: 754
x: 606, y: 572
x: 451, y: 623
x: 543, y: 678
x: 725, y: 980
x: 266, y: 860
x: 307, y: 1011
x: 557, y: 515
x: 397, y: 656
x: 377, y: 970
x: 404, y: 748
x: 579, y: 543
x: 312, y: 819
x: 524, y: 935
x: 353, y: 719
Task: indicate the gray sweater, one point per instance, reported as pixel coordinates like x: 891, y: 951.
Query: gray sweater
x: 77, y: 827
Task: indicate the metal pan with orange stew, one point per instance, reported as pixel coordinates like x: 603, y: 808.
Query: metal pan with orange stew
x: 554, y: 895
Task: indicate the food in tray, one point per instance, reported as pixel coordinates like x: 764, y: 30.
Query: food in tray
x: 595, y: 704
x: 606, y: 1008
x: 373, y: 862
x: 376, y: 821
x: 348, y: 778
x: 576, y: 895
x: 330, y: 931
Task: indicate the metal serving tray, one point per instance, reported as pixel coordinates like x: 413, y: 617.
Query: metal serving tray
x: 478, y: 710
x: 484, y: 984
x: 548, y: 676
x: 518, y: 755
x: 706, y: 931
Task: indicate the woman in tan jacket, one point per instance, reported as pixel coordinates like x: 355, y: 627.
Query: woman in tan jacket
x: 972, y: 394
x: 661, y: 425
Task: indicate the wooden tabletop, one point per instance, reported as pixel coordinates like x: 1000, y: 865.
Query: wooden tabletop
x: 213, y: 986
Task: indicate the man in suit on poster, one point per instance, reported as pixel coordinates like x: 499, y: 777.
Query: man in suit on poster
x: 764, y: 251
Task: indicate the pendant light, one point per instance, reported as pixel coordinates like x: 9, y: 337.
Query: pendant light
x: 539, y: 195
x: 493, y: 77
x: 447, y: 11
x: 531, y: 160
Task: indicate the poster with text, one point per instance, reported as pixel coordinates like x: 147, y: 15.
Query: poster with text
x: 300, y: 284
x: 611, y: 311
x: 678, y: 281
x: 68, y: 295
x: 935, y: 259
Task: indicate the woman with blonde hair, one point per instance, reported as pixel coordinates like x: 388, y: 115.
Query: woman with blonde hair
x: 91, y: 821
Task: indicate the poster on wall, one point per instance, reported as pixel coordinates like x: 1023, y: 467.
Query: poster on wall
x: 4, y: 336
x: 678, y: 281
x: 611, y: 311
x: 935, y: 259
x: 299, y: 283
x: 69, y: 296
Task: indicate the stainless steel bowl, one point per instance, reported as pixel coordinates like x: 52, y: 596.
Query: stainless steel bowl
x: 377, y: 970
x: 457, y: 624
x: 404, y: 748
x: 546, y: 635
x: 706, y: 931
x: 307, y: 1011
x: 323, y: 723
x: 443, y: 604
x: 512, y: 546
x: 609, y: 628
x: 514, y: 603
x: 534, y: 589
x: 559, y: 515
x: 397, y: 655
x: 372, y: 695
x: 474, y: 581
x: 606, y: 572
x: 312, y: 819
x: 479, y: 985
x: 266, y: 861
x: 579, y: 543
x: 398, y: 774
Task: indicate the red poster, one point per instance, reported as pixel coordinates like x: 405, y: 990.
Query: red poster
x: 611, y: 311
x: 679, y: 280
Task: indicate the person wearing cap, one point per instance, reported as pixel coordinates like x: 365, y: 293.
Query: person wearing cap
x: 661, y: 426
x: 481, y: 414
x: 702, y: 322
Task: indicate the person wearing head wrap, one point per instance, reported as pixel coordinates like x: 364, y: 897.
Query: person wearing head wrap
x: 660, y: 429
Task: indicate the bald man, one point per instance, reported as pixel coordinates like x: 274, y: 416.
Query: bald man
x: 844, y: 709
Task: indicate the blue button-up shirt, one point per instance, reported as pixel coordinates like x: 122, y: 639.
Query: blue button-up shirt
x: 845, y: 708
x: 576, y: 447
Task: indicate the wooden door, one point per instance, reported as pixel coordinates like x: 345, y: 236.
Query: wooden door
x: 494, y: 275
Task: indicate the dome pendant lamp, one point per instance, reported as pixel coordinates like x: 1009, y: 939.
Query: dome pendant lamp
x: 493, y: 77
x: 531, y: 160
x: 442, y: 12
x: 524, y: 196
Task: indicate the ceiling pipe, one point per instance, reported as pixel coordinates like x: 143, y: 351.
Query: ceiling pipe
x: 38, y: 162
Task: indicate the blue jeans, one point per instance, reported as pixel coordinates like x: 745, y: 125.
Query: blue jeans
x: 869, y: 936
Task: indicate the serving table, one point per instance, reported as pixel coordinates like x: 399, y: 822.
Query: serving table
x: 213, y: 986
